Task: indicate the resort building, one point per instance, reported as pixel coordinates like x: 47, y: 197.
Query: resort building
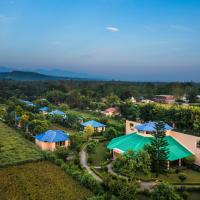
x: 44, y: 110
x: 98, y: 127
x: 138, y: 135
x: 52, y: 139
x: 57, y: 112
x: 111, y: 112
x: 133, y: 100
x: 27, y: 103
x: 166, y: 99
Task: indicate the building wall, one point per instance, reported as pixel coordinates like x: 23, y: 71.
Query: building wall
x: 49, y: 146
x: 130, y: 126
x: 190, y: 142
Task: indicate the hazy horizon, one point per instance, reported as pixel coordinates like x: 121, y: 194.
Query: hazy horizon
x: 133, y: 40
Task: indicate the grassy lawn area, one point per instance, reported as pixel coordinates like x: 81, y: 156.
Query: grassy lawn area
x: 41, y: 180
x: 192, y: 176
x: 14, y: 148
x: 99, y: 156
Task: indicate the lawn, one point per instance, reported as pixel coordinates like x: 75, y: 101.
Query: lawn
x: 14, y: 148
x: 99, y: 156
x: 192, y: 177
x: 41, y: 180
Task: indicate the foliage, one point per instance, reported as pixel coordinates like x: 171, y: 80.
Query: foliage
x: 41, y: 180
x: 189, y: 160
x: 132, y: 163
x: 62, y: 152
x: 91, y: 147
x: 38, y: 126
x: 88, y: 132
x: 15, y: 149
x: 110, y: 133
x: 182, y: 177
x: 158, y: 150
x: 164, y: 191
x: 128, y: 191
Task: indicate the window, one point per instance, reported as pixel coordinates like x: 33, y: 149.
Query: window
x: 60, y: 143
x: 198, y: 144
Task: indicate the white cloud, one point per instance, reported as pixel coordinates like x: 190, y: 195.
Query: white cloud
x: 181, y: 28
x: 112, y: 29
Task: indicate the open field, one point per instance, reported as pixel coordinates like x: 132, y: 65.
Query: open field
x: 14, y: 148
x: 41, y: 180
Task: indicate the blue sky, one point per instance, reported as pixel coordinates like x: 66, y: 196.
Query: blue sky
x: 138, y: 40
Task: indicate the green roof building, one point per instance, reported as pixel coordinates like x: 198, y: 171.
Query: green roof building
x: 136, y: 142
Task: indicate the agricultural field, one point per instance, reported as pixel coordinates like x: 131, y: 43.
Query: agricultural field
x: 40, y: 180
x: 14, y: 148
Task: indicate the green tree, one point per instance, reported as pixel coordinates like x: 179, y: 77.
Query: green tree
x: 128, y: 191
x: 110, y: 133
x: 164, y: 191
x: 88, y: 132
x: 158, y: 150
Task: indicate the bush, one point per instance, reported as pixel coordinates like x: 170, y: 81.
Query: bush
x: 59, y: 162
x: 62, y: 153
x: 90, y: 148
x: 189, y: 160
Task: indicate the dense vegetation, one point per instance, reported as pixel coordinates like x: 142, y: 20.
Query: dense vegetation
x: 14, y: 148
x: 41, y: 180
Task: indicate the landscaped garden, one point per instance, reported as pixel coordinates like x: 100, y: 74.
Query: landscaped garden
x: 41, y: 180
x: 14, y: 148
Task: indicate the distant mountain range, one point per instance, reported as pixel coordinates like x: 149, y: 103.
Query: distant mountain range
x: 31, y: 76
x: 53, y: 72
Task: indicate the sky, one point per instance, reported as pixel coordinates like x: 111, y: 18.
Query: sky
x: 134, y: 40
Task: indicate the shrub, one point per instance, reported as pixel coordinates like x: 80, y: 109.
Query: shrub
x: 59, y: 162
x: 62, y: 153
x: 90, y: 148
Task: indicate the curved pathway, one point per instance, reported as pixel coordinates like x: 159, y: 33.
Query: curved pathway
x: 83, y: 160
x: 143, y: 184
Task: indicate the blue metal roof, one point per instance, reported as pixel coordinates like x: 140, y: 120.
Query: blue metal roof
x: 151, y: 127
x: 28, y: 103
x: 52, y: 136
x: 57, y: 112
x: 45, y: 108
x: 93, y: 123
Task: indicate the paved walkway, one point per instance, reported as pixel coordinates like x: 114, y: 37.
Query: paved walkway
x: 83, y: 160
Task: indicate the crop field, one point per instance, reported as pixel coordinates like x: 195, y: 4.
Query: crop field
x: 40, y: 180
x: 14, y: 148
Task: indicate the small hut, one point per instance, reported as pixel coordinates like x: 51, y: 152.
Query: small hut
x: 52, y: 139
x: 98, y: 127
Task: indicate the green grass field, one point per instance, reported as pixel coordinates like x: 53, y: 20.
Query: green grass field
x: 14, y: 148
x: 41, y: 180
x: 192, y: 176
x: 99, y: 156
